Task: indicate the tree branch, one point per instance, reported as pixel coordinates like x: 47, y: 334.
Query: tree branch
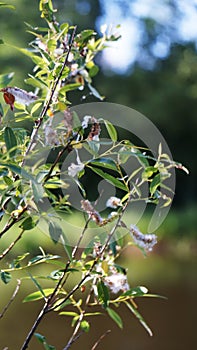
x: 11, y: 299
x: 47, y: 104
x: 100, y: 339
x: 7, y: 250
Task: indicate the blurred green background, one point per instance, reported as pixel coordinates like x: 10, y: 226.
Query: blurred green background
x: 154, y: 72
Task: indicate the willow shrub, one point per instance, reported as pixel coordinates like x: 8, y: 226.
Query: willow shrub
x: 38, y: 131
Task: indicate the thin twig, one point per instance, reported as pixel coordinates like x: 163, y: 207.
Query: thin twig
x: 100, y: 339
x: 11, y: 299
x: 7, y: 250
x: 78, y: 285
x: 8, y: 225
x: 45, y: 309
x: 80, y: 239
x: 47, y: 105
x: 74, y: 336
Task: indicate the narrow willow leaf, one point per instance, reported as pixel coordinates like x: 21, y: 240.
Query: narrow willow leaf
x: 69, y: 87
x: 103, y: 294
x: 109, y: 178
x: 38, y: 295
x: 155, y: 183
x: 103, y: 162
x: 68, y: 313
x: 55, y: 231
x: 115, y: 317
x: 136, y: 292
x: 139, y: 317
x: 42, y: 340
x: 17, y: 170
x: 111, y: 130
x: 38, y: 190
x: 2, y: 4
x: 93, y: 314
x: 36, y: 107
x: 84, y: 35
x: 10, y: 141
x: 5, y: 277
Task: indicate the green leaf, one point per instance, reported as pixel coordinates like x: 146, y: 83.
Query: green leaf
x: 8, y: 180
x: 93, y: 71
x: 16, y: 262
x: 10, y: 140
x: 155, y: 183
x: 1, y: 41
x: 105, y: 163
x: 28, y: 223
x: 115, y: 317
x: 5, y: 79
x: 1, y: 110
x: 139, y: 317
x: 38, y: 190
x: 68, y: 313
x: 148, y: 172
x: 55, y: 231
x: 69, y: 87
x: 85, y: 326
x: 5, y: 277
x: 136, y: 292
x: 109, y: 178
x: 84, y: 35
x: 111, y: 130
x: 36, y: 107
x: 42, y: 340
x: 103, y: 294
x: 38, y: 295
x: 17, y: 170
x: 3, y: 4
x: 36, y: 82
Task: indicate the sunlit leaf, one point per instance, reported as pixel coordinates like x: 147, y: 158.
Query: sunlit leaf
x: 38, y: 295
x: 3, y: 4
x: 105, y: 163
x: 136, y: 292
x: 111, y: 130
x: 109, y: 178
x: 85, y: 326
x: 68, y: 313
